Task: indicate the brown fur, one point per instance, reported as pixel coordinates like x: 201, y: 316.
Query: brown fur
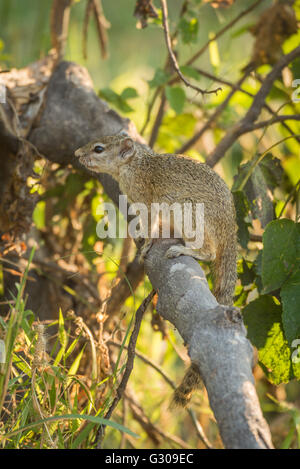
x: 147, y: 177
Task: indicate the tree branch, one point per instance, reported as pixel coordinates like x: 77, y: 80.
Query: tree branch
x: 172, y: 55
x: 211, y: 332
x: 223, y: 30
x: 158, y: 120
x: 102, y: 25
x: 216, y: 36
x: 254, y: 110
x: 59, y: 25
x: 193, y: 140
x: 234, y: 86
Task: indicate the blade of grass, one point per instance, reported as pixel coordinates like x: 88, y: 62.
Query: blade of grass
x: 90, y: 418
x: 13, y: 329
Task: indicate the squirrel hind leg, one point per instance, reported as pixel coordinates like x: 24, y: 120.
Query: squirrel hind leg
x: 190, y: 383
x: 199, y: 254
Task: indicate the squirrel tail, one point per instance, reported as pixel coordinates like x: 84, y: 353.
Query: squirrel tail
x: 190, y: 383
x: 224, y: 271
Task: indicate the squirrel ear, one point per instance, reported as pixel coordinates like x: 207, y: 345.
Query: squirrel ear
x: 127, y: 149
x: 123, y: 133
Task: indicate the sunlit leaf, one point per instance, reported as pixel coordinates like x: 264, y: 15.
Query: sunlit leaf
x: 176, y: 97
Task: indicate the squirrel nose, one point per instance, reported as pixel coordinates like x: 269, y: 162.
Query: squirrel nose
x: 78, y: 152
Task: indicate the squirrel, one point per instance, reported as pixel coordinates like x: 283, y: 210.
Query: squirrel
x: 148, y: 177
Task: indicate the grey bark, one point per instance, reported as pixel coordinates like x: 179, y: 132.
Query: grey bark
x: 216, y: 339
x: 71, y: 115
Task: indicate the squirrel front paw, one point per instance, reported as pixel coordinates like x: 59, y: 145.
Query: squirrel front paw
x: 174, y: 251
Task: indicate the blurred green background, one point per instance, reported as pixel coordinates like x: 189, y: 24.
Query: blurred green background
x: 134, y: 53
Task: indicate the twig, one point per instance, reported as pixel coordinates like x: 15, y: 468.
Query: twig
x: 212, y: 119
x: 216, y: 36
x: 234, y: 86
x: 291, y: 195
x: 256, y: 238
x: 172, y: 55
x: 102, y: 25
x: 148, y: 362
x: 158, y: 120
x: 87, y: 15
x: 129, y: 364
x: 160, y: 89
x: 124, y: 420
x: 254, y: 110
x: 95, y: 7
x: 274, y: 120
x: 223, y: 30
x: 150, y: 107
x: 59, y: 24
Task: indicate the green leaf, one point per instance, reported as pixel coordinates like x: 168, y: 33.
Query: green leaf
x: 75, y: 365
x: 265, y: 330
x: 109, y: 95
x: 246, y: 272
x: 39, y: 215
x: 290, y: 295
x: 258, y: 270
x: 21, y: 364
x: 85, y: 432
x: 190, y: 72
x: 188, y: 29
x: 288, y: 439
x: 242, y: 209
x: 59, y: 356
x: 174, y: 130
x: 272, y: 170
x: 176, y: 97
x: 160, y: 78
x: 63, y: 338
x: 114, y: 98
x: 280, y: 254
x: 259, y: 179
x: 129, y: 93
x: 72, y: 346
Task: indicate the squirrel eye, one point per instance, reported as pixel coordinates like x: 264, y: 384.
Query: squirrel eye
x: 98, y: 149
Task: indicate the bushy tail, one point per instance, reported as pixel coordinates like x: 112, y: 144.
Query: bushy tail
x: 190, y: 383
x: 224, y: 270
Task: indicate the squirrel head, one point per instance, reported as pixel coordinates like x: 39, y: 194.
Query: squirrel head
x: 107, y: 154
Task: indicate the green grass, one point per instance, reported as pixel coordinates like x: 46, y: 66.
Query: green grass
x: 45, y: 402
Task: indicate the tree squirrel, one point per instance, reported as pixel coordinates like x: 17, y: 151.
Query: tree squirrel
x: 147, y: 177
